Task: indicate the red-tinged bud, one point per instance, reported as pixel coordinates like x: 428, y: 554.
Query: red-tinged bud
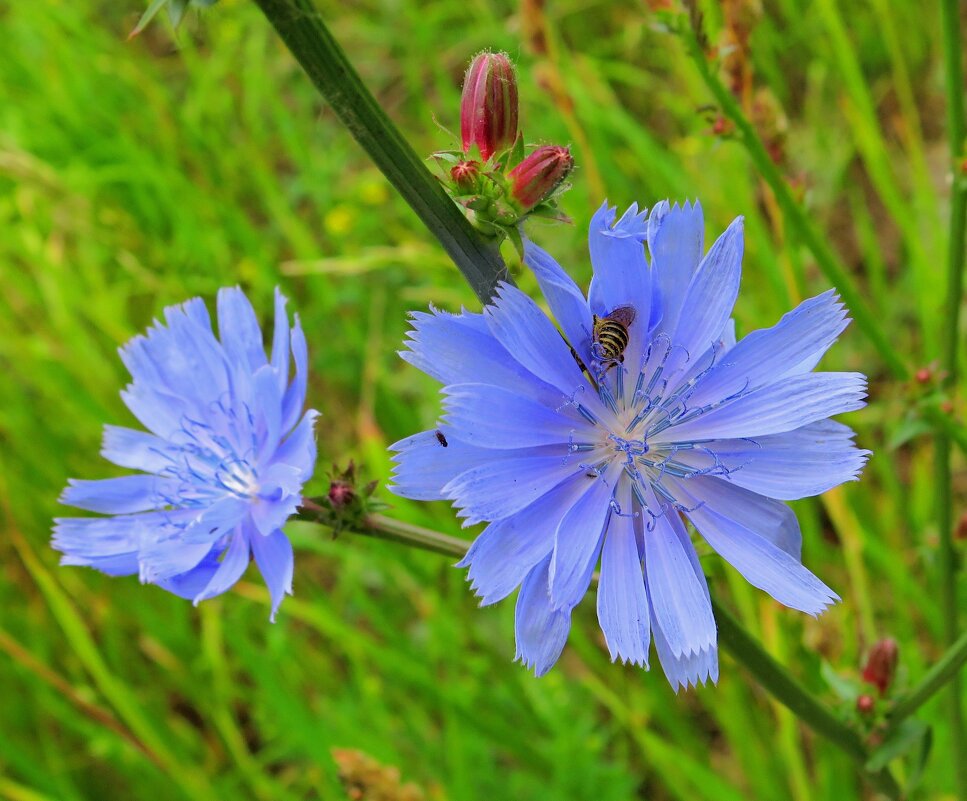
x: 465, y: 175
x: 488, y: 107
x: 341, y: 494
x: 923, y: 375
x: 538, y: 175
x: 881, y: 664
x: 961, y: 532
x: 865, y: 705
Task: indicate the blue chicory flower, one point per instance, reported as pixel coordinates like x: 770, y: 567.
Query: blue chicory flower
x: 223, y: 465
x: 594, y: 442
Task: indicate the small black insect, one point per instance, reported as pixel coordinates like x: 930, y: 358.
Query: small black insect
x: 441, y: 439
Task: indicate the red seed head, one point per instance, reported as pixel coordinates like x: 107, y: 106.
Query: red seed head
x: 465, y: 175
x: 881, y: 664
x: 865, y: 704
x: 488, y: 107
x: 538, y: 175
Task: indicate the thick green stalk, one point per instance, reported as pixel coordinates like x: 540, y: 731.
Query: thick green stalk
x: 732, y: 636
x: 307, y: 37
x: 946, y: 670
x: 795, y: 215
x: 953, y: 68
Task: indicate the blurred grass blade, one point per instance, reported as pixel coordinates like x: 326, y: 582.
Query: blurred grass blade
x: 193, y: 783
x: 948, y: 557
x: 798, y: 220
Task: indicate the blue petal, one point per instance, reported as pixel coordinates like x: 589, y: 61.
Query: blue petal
x: 687, y: 671
x: 280, y: 343
x: 188, y: 585
x: 109, y: 544
x: 424, y: 465
x: 299, y: 448
x: 454, y: 350
x: 295, y: 396
x: 276, y: 504
x: 524, y: 330
x: 765, y: 355
x: 794, y: 402
x: 163, y: 559
x: 127, y: 447
x: 578, y: 539
x: 268, y: 411
x: 233, y: 564
x: 796, y: 464
x: 139, y: 493
x: 541, y: 631
x: 158, y: 410
x: 763, y: 564
x: 491, y: 417
x: 711, y: 294
x: 675, y: 237
x: 679, y: 597
x: 238, y: 329
x: 768, y: 518
x: 273, y: 555
x: 622, y: 602
x: 500, y: 488
x: 567, y: 302
x: 506, y: 550
x: 621, y: 273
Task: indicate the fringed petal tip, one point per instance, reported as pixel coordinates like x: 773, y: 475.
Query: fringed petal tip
x: 693, y: 670
x: 633, y: 224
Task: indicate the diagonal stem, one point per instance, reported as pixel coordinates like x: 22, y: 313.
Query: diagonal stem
x: 733, y: 637
x: 943, y: 672
x: 302, y: 29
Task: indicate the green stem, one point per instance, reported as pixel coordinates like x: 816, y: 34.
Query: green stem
x: 307, y: 37
x: 732, y: 636
x: 953, y: 69
x: 946, y: 670
x: 866, y: 320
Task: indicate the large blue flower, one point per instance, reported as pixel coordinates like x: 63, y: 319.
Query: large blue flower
x: 576, y: 450
x: 224, y: 464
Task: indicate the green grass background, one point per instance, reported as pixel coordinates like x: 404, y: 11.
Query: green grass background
x: 136, y: 174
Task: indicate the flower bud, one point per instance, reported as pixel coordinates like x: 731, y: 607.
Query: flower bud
x: 341, y: 494
x: 465, y: 175
x: 488, y: 107
x: 881, y: 664
x: 865, y: 704
x: 538, y: 175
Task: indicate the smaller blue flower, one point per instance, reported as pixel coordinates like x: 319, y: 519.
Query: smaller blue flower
x: 223, y: 465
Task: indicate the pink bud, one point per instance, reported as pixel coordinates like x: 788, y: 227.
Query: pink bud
x: 881, y: 664
x: 465, y: 175
x: 538, y: 175
x: 341, y: 494
x: 488, y: 107
x: 865, y: 704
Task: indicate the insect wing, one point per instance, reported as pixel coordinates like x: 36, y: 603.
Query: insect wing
x: 623, y: 315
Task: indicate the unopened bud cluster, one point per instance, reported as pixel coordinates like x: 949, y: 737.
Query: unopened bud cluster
x: 493, y: 177
x: 347, y: 502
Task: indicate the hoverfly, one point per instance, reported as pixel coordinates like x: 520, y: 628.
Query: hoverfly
x: 609, y: 335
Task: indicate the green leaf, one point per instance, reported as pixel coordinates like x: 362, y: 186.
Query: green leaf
x: 844, y: 688
x: 147, y: 16
x: 916, y: 774
x: 907, y: 736
x: 908, y: 429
